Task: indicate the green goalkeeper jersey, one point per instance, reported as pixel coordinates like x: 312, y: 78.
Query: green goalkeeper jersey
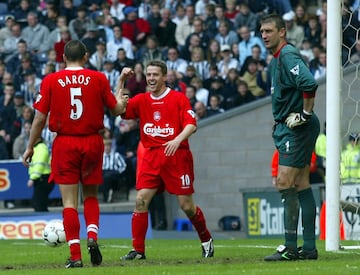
x: 290, y: 77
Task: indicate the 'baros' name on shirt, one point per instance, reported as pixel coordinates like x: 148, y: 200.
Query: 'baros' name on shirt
x: 74, y: 80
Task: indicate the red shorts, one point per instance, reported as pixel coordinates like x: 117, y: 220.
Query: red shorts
x: 77, y: 159
x: 174, y: 174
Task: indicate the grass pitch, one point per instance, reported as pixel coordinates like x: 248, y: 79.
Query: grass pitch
x: 235, y: 256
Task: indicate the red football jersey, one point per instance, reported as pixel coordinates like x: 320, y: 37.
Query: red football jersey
x: 161, y: 118
x: 76, y: 98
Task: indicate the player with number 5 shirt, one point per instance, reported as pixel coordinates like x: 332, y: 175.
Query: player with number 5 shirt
x: 75, y: 99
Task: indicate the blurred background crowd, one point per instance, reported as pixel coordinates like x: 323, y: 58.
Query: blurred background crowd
x: 213, y: 49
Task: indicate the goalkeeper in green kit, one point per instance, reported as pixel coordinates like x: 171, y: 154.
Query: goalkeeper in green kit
x: 295, y: 131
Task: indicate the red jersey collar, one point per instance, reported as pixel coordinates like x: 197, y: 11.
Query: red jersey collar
x: 276, y: 55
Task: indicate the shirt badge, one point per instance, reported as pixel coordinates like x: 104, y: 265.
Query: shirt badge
x: 295, y: 70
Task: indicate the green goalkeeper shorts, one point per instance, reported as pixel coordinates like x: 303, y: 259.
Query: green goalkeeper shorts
x: 296, y: 145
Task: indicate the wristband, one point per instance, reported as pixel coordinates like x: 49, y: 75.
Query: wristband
x: 306, y: 115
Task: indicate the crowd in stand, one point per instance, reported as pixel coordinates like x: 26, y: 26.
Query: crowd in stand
x: 213, y: 49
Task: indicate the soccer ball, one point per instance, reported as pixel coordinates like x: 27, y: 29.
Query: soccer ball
x: 54, y: 234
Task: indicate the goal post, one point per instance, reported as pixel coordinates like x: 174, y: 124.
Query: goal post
x: 333, y: 116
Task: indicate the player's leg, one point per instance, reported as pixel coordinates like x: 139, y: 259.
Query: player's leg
x: 286, y: 186
x: 69, y: 194
x: 140, y: 223
x: 308, y: 215
x: 92, y: 216
x: 197, y: 218
x: 91, y: 178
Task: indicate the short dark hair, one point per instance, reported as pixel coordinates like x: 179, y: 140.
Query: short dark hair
x: 273, y: 18
x: 158, y: 63
x: 75, y: 50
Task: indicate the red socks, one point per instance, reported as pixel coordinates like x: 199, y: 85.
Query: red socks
x: 92, y: 214
x: 198, y: 221
x: 72, y: 231
x: 139, y: 226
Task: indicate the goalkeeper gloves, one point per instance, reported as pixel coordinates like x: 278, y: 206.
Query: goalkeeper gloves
x: 297, y: 119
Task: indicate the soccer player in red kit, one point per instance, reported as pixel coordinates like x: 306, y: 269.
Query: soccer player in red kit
x: 75, y: 99
x: 166, y: 123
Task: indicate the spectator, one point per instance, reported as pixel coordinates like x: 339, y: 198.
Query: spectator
x: 219, y: 17
x: 68, y: 10
x: 235, y: 51
x: 26, y: 67
x: 21, y: 141
x: 217, y: 88
x: 106, y: 21
x: 6, y: 31
x: 10, y: 44
x: 246, y: 17
x: 312, y: 30
x: 50, y: 20
x: 200, y: 110
x: 231, y: 9
x: 150, y: 51
x: 39, y: 172
x: 36, y: 35
x: 321, y: 14
x: 294, y: 33
x: 350, y: 164
x: 320, y: 71
x: 306, y: 51
x: 179, y: 13
x: 165, y: 31
x: 201, y: 65
x: 98, y: 58
x: 114, y: 166
x: 55, y: 34
x: 200, y: 8
x: 227, y: 62
x: 174, y: 62
x: 155, y: 17
x: 198, y: 25
x: 194, y: 42
x: 91, y: 37
x: 202, y: 94
x: 301, y: 15
x: 242, y: 96
x: 128, y: 138
x: 255, y: 55
x: 174, y: 83
x: 210, y: 18
x: 137, y: 83
x: 191, y: 95
x: 225, y: 36
x: 313, y: 64
x: 189, y: 75
x: 320, y: 151
x: 185, y: 27
x: 255, y: 79
x: 119, y: 41
x: 247, y: 42
x: 21, y: 12
x: 117, y: 10
x: 27, y: 114
x: 134, y: 28
x: 214, y: 105
x: 31, y: 86
x: 79, y: 25
x: 111, y: 74
x: 145, y: 9
x: 122, y: 61
x: 65, y: 37
x: 213, y: 75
